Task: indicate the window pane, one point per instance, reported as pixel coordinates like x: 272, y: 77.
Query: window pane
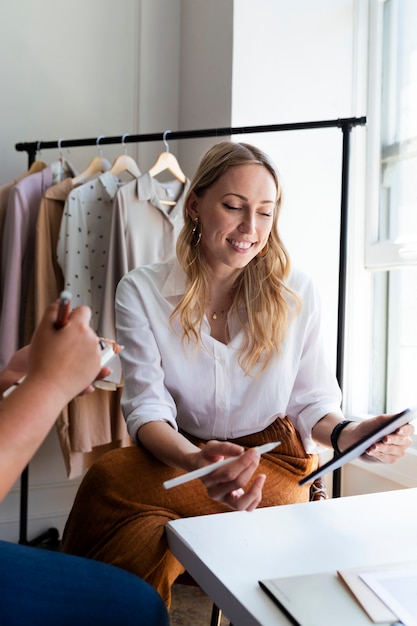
x: 398, y: 198
x: 402, y: 339
x: 378, y: 365
x: 398, y: 202
x: 399, y: 71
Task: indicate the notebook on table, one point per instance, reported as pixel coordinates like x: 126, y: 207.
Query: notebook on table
x: 320, y: 600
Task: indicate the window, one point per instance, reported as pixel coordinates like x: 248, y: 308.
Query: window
x: 391, y: 233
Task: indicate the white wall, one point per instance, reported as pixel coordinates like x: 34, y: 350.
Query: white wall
x: 293, y: 62
x: 68, y: 70
x: 76, y: 69
x: 206, y: 72
x: 158, y: 41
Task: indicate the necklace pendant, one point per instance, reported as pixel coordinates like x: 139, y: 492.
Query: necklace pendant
x: 214, y: 316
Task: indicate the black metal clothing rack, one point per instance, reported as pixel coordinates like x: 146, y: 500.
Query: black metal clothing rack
x: 345, y: 125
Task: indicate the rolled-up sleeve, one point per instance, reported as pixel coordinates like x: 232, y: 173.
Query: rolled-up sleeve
x: 145, y: 397
x: 315, y: 392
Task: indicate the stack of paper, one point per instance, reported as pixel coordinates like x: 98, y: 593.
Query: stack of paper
x: 386, y: 592
x: 385, y: 595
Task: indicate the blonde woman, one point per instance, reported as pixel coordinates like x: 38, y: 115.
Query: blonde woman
x: 223, y: 351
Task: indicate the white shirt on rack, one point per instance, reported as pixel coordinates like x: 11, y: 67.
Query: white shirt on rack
x: 143, y: 230
x: 84, y: 241
x: 203, y: 390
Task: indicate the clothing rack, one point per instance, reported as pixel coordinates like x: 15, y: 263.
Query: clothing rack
x: 345, y: 125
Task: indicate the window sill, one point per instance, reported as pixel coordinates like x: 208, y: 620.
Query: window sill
x: 404, y: 472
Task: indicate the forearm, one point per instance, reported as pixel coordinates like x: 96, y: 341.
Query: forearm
x: 388, y: 450
x: 26, y: 417
x: 7, y: 379
x: 168, y: 445
x: 323, y: 429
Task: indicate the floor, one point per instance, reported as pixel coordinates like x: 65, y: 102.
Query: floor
x: 191, y: 607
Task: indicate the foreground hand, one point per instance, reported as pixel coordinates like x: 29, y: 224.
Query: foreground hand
x: 66, y: 360
x: 227, y: 483
x: 392, y: 447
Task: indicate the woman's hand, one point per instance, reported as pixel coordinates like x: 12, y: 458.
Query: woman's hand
x: 105, y: 371
x: 227, y: 483
x: 389, y: 450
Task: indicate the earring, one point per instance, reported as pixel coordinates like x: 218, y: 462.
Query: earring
x: 264, y: 251
x: 196, y: 232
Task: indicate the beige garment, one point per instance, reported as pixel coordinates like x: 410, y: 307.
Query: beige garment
x: 121, y: 507
x: 49, y: 206
x: 47, y: 279
x: 92, y: 424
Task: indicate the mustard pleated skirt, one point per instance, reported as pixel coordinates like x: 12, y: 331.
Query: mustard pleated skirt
x: 121, y: 507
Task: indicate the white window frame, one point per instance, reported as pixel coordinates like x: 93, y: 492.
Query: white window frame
x: 382, y: 255
x: 367, y: 255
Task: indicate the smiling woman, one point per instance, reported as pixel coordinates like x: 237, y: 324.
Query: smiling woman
x: 223, y: 352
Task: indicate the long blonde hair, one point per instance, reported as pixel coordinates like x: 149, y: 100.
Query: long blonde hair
x: 260, y: 286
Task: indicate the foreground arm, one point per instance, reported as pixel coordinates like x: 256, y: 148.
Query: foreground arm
x: 389, y: 450
x: 59, y: 365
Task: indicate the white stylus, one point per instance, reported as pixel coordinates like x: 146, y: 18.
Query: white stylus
x: 207, y: 469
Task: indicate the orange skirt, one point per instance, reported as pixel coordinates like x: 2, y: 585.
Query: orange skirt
x: 121, y: 508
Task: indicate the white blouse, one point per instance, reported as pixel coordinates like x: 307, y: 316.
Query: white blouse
x: 84, y: 241
x: 202, y: 389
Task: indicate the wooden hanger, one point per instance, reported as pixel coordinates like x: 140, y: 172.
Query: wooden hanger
x: 97, y: 165
x: 167, y: 161
x: 125, y: 163
x: 37, y: 166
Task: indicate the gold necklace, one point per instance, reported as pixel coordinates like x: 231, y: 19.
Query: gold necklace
x: 221, y: 314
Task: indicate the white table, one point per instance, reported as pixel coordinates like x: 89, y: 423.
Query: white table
x: 228, y: 553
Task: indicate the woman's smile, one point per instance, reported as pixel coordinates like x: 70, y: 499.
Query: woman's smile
x: 242, y: 246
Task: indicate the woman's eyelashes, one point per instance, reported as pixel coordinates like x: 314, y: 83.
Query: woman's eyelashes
x: 231, y: 207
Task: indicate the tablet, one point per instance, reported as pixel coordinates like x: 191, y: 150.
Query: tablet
x: 358, y: 448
